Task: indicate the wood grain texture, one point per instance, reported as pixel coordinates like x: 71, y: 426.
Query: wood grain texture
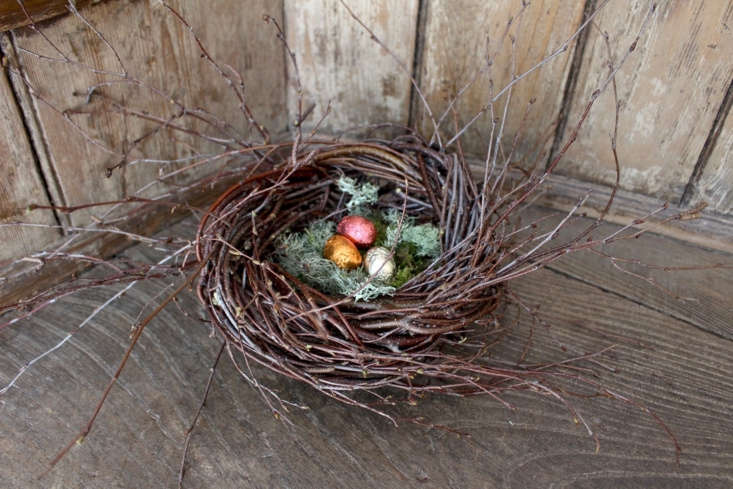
x: 461, y: 36
x: 716, y: 182
x: 678, y: 294
x: 13, y: 16
x: 710, y: 230
x: 24, y: 103
x: 340, y: 65
x: 678, y: 370
x: 670, y: 89
x: 20, y: 184
x: 28, y: 279
x: 158, y: 49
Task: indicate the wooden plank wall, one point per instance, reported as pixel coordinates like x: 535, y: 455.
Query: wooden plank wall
x: 716, y: 180
x: 15, y: 14
x: 670, y: 89
x: 462, y: 38
x: 674, y: 136
x: 342, y: 67
x: 167, y: 58
x: 20, y: 184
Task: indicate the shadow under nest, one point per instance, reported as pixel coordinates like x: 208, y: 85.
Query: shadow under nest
x: 431, y: 335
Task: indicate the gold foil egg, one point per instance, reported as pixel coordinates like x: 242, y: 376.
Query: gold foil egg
x: 342, y: 252
x: 379, y: 263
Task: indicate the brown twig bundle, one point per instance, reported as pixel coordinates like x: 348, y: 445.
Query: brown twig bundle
x: 337, y: 344
x: 430, y: 336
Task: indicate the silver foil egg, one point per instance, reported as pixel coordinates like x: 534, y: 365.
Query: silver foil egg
x: 378, y: 263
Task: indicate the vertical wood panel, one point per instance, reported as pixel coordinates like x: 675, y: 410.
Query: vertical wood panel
x: 340, y: 64
x: 670, y: 89
x: 159, y: 50
x: 716, y: 183
x: 20, y: 184
x: 456, y: 37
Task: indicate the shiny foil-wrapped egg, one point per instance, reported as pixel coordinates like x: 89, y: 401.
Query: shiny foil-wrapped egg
x: 342, y: 252
x: 379, y: 263
x: 358, y: 229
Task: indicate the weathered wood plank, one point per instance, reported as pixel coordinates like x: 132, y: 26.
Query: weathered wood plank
x: 340, y: 65
x: 670, y: 90
x: 28, y: 279
x: 12, y: 14
x: 20, y: 184
x: 716, y: 182
x: 679, y: 293
x: 168, y: 59
x: 709, y: 230
x: 35, y: 134
x: 680, y: 372
x: 455, y: 47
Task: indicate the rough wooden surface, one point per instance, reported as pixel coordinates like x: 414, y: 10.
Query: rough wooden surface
x: 709, y: 229
x: 670, y: 88
x: 28, y: 280
x: 677, y: 295
x: 20, y: 184
x: 663, y: 359
x: 461, y: 37
x: 167, y: 58
x: 12, y: 14
x: 340, y: 65
x: 716, y: 182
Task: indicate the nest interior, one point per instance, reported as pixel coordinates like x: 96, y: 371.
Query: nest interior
x: 428, y: 336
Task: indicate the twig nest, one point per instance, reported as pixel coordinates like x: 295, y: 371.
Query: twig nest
x: 358, y: 229
x: 417, y: 337
x: 340, y: 250
x: 379, y: 263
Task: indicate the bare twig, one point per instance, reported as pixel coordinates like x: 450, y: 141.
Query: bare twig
x: 189, y: 431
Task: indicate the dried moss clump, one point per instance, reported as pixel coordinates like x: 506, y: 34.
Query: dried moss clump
x: 362, y: 195
x: 301, y: 254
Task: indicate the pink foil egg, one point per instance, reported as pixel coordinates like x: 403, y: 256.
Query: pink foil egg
x: 358, y: 229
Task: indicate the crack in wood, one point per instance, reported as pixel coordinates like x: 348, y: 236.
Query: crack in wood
x: 708, y: 147
x: 571, y: 82
x: 417, y: 61
x: 638, y: 302
x: 34, y: 133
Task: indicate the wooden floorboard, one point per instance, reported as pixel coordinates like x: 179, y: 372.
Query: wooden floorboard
x: 702, y: 297
x: 675, y: 358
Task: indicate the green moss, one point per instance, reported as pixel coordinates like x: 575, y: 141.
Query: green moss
x: 406, y: 264
x: 409, y: 262
x: 425, y: 237
x: 401, y: 276
x: 301, y: 254
x: 381, y: 227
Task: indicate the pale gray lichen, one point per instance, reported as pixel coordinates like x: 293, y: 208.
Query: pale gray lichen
x: 301, y: 255
x: 425, y: 237
x: 360, y: 195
